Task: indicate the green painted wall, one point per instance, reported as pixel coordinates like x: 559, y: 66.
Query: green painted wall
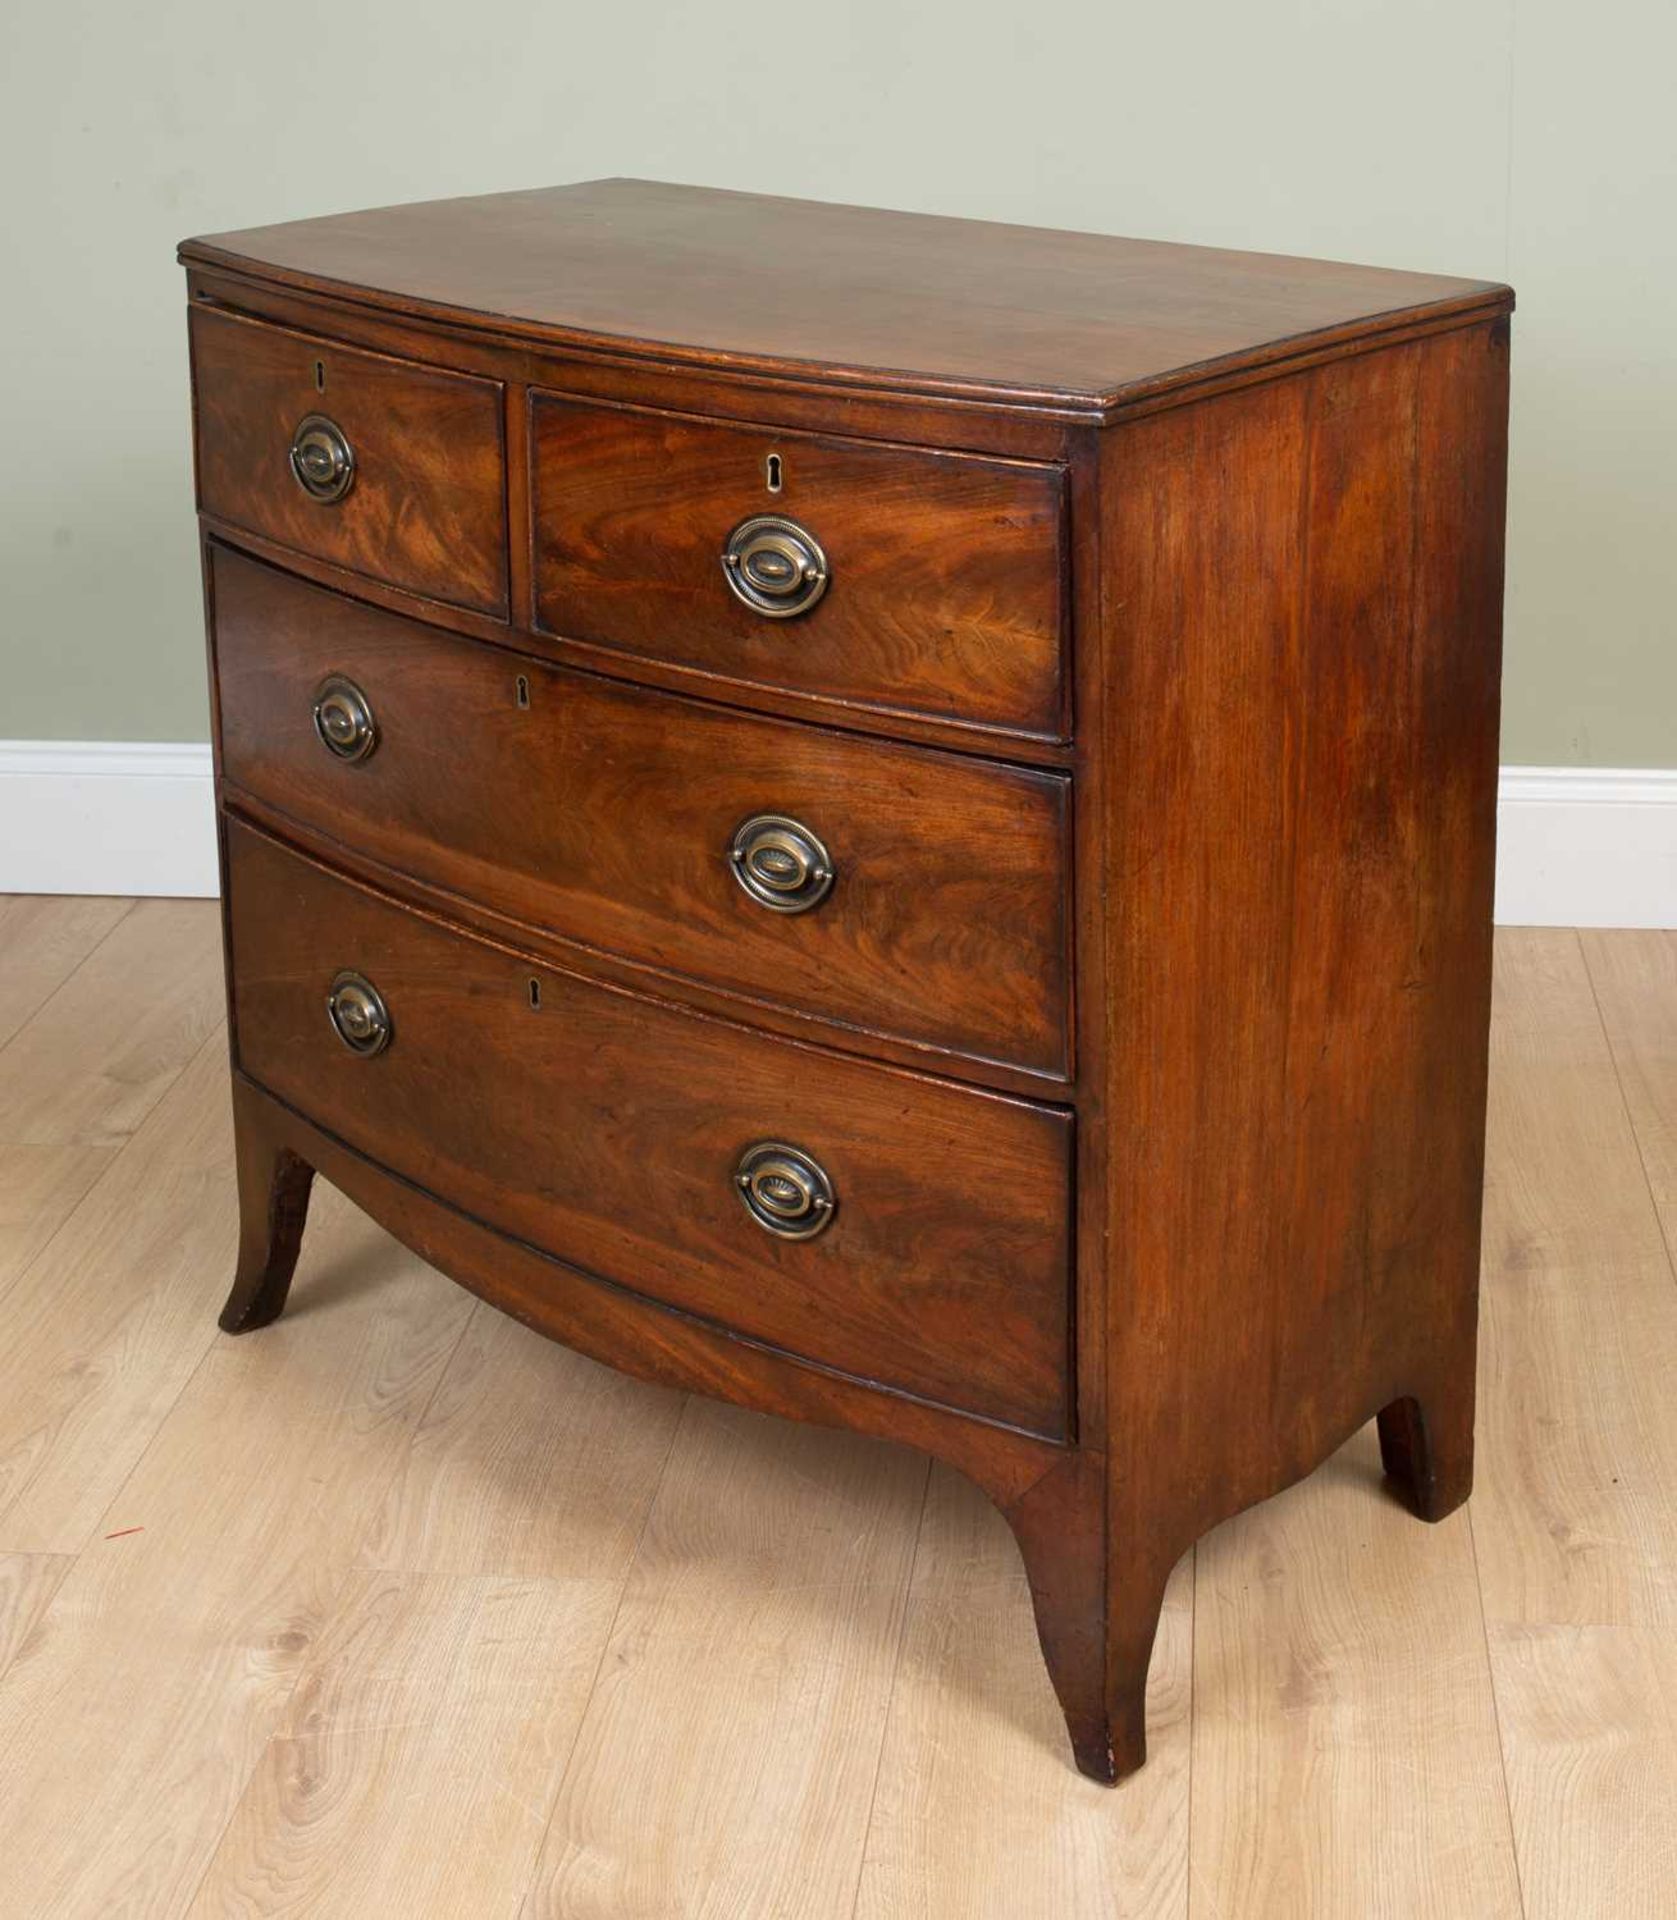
x: 1493, y: 140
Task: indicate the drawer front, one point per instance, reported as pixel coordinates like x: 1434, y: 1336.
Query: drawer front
x: 424, y: 506
x: 943, y: 591
x: 609, y: 814
x: 610, y: 1130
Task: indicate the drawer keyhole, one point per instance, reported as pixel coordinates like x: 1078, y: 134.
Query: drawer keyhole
x: 771, y: 472
x: 521, y: 690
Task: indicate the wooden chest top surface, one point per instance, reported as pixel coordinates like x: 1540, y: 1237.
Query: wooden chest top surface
x: 905, y: 301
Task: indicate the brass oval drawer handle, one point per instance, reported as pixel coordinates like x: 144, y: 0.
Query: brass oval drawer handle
x: 780, y: 863
x: 322, y: 460
x: 774, y: 566
x: 785, y: 1191
x: 343, y: 718
x: 358, y: 1014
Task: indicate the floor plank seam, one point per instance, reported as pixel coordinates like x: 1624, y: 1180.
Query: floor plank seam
x: 561, y: 1773
x: 359, y: 1553
x: 218, y: 1037
x: 35, y: 1013
x: 1629, y: 1111
x: 197, y: 1367
x: 40, y: 1620
x: 891, y: 1690
x: 1496, y: 1718
x: 1579, y: 1716
x: 1193, y: 1721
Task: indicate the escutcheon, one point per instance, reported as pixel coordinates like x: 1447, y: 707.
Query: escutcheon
x: 781, y: 863
x: 343, y: 718
x: 358, y: 1014
x: 774, y: 566
x: 322, y: 460
x: 785, y: 1191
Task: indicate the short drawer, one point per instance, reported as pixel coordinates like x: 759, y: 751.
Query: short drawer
x: 615, y: 1132
x: 664, y: 829
x: 934, y: 581
x: 392, y: 469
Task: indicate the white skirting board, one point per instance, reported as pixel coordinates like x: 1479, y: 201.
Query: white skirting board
x: 1577, y: 846
x: 1586, y: 847
x: 106, y: 816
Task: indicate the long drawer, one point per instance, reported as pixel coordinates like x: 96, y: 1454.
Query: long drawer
x: 896, y: 578
x: 392, y: 469
x: 648, y: 1145
x: 933, y: 908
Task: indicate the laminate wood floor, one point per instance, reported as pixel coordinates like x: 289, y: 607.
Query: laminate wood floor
x: 397, y: 1610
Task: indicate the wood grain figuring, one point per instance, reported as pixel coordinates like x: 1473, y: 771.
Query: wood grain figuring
x: 627, y: 1330
x: 945, y: 595
x: 900, y: 300
x: 643, y: 670
x: 605, y: 813
x: 1304, y: 709
x: 471, y: 1686
x: 427, y: 509
x: 235, y: 1704
x: 1151, y: 714
x: 606, y: 1130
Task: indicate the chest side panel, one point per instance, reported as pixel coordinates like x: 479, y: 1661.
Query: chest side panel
x: 1302, y: 601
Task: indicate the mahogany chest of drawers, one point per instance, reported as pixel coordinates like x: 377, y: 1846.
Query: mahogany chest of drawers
x: 886, y: 817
